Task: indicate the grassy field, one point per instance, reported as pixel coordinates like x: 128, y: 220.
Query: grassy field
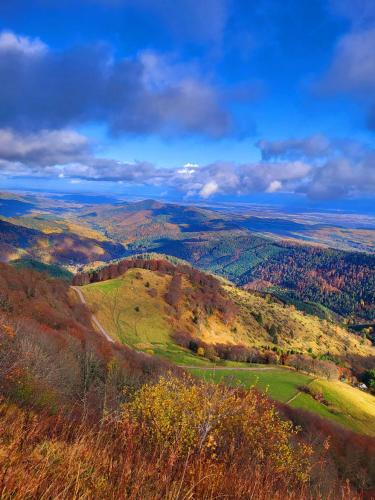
x: 347, y: 405
x: 132, y: 316
x: 296, y: 330
x: 281, y: 384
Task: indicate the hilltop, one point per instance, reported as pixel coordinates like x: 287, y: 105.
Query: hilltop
x: 58, y: 245
x: 133, y: 300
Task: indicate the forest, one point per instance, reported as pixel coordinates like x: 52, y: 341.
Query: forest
x: 343, y: 282
x: 327, y: 281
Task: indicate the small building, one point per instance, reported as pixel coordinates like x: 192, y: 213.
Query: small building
x: 362, y: 386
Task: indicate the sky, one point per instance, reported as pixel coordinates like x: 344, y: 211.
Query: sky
x: 213, y: 100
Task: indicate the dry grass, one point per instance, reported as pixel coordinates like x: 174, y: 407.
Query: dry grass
x: 130, y: 314
x: 357, y: 406
x: 49, y: 457
x: 297, y: 330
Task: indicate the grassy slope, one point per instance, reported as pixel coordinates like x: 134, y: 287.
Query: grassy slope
x: 297, y: 330
x: 351, y: 407
x: 128, y: 312
x: 348, y: 406
x: 281, y: 384
x: 150, y: 327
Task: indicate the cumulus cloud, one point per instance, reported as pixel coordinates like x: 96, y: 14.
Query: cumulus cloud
x: 209, y: 189
x: 274, y: 186
x: 102, y: 169
x: 240, y: 179
x: 353, y: 66
x: 343, y: 169
x: 352, y: 69
x: 65, y: 153
x: 338, y: 168
x: 341, y: 178
x: 10, y: 42
x: 46, y: 147
x: 41, y: 88
x: 313, y: 148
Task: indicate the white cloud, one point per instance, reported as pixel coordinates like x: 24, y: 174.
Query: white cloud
x: 45, y: 147
x: 188, y: 169
x: 209, y: 189
x: 274, y: 186
x: 347, y: 169
x: 145, y: 94
x: 10, y: 42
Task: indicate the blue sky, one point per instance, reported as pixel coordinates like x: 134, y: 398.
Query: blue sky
x: 273, y: 97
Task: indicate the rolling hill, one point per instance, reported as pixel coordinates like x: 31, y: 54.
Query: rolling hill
x: 250, y: 251
x: 64, y: 248
x: 60, y: 376
x: 139, y: 286
x: 201, y: 320
x: 233, y: 246
x: 332, y: 400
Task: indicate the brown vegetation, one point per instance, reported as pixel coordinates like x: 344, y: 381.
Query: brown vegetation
x: 50, y: 355
x: 81, y: 417
x: 172, y: 440
x: 204, y: 296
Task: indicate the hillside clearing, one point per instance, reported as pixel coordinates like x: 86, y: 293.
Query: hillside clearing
x: 347, y: 406
x: 281, y: 384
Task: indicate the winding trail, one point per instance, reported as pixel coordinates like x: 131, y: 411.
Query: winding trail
x: 293, y: 398
x: 94, y: 319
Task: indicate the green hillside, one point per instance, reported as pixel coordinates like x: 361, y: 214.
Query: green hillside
x: 133, y: 309
x: 342, y: 404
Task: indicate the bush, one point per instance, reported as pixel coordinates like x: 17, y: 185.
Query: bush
x: 304, y: 388
x: 192, y: 417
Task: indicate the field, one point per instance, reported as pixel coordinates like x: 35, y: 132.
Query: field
x: 131, y: 315
x: 347, y: 405
x: 281, y: 384
x: 295, y: 329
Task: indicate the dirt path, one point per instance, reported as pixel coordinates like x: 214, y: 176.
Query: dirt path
x: 292, y: 398
x: 94, y: 319
x: 298, y: 393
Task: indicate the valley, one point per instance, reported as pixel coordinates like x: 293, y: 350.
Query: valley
x: 187, y: 250
x: 327, y: 282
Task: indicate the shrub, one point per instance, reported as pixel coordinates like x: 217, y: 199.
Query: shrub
x: 304, y: 388
x: 179, y: 414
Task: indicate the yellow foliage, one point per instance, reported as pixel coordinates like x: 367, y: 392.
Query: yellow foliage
x: 200, y: 351
x: 184, y: 415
